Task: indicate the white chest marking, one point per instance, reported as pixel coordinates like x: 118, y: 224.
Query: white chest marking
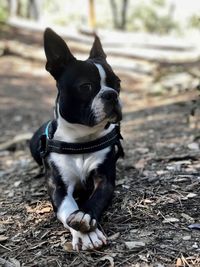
x: 76, y: 168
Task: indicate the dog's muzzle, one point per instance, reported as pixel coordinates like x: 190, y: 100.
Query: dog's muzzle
x: 112, y: 105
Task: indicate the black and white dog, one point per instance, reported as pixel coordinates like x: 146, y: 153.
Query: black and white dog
x: 79, y: 148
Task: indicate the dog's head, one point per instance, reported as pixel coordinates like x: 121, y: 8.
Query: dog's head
x: 88, y: 91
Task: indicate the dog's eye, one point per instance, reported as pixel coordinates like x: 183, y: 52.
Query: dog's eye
x: 86, y: 87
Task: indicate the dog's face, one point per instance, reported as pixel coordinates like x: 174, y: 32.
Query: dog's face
x: 88, y: 91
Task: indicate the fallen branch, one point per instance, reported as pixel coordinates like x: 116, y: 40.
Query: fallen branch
x: 15, y: 140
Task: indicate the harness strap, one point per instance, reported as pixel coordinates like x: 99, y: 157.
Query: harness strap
x: 51, y: 145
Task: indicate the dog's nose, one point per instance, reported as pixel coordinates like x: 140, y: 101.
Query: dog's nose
x: 109, y: 95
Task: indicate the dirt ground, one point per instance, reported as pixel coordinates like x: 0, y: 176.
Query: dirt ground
x: 157, y: 195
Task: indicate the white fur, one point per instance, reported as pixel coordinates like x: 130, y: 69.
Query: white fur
x: 97, y: 104
x: 102, y: 75
x: 75, y: 168
x: 67, y: 207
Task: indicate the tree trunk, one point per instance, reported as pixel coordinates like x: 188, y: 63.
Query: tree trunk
x: 119, y: 18
x: 114, y: 13
x: 124, y: 14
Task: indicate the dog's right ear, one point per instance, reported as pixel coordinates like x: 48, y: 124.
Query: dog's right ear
x: 57, y: 53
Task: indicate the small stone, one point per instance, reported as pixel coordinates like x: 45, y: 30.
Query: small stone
x: 173, y: 167
x: 17, y: 118
x: 125, y: 186
x: 135, y: 245
x: 133, y: 231
x: 193, y: 146
x: 195, y: 245
x: 170, y: 220
x: 191, y: 195
x: 17, y: 183
x: 187, y: 217
x: 187, y: 237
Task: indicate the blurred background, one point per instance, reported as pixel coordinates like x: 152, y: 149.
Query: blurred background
x: 154, y: 47
x: 153, y: 44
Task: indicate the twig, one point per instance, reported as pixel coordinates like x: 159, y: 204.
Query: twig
x: 5, y: 247
x: 17, y: 139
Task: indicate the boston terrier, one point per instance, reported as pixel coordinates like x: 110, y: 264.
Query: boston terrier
x: 80, y: 147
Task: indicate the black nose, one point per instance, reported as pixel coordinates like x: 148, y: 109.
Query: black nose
x: 109, y: 95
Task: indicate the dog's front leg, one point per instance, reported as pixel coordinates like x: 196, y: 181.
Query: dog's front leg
x: 94, y: 207
x: 62, y: 198
x: 65, y: 205
x: 100, y: 198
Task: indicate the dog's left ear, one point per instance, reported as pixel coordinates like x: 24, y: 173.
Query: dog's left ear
x: 57, y: 53
x: 97, y: 50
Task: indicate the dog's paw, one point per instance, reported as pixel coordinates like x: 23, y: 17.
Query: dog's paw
x: 81, y: 221
x: 88, y: 241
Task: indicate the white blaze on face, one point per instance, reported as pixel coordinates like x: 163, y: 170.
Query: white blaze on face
x: 97, y: 104
x: 102, y: 75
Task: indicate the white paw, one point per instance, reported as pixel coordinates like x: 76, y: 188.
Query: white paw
x: 81, y: 221
x: 87, y: 241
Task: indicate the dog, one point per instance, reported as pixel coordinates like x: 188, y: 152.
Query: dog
x: 80, y: 147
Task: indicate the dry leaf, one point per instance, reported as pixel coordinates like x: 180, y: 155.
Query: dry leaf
x: 38, y: 210
x: 43, y: 210
x: 68, y: 247
x: 114, y: 236
x: 140, y: 164
x: 179, y: 262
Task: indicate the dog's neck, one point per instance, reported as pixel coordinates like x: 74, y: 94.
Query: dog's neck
x: 71, y: 132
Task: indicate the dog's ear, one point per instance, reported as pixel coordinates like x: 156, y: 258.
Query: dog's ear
x: 57, y: 53
x: 97, y: 50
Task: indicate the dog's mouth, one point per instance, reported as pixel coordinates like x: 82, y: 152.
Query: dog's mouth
x: 109, y: 113
x: 113, y: 113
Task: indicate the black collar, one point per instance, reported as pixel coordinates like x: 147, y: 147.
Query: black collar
x: 48, y: 144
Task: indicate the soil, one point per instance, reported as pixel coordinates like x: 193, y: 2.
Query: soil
x: 157, y: 195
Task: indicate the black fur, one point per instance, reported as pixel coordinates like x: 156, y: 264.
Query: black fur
x: 78, y: 83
